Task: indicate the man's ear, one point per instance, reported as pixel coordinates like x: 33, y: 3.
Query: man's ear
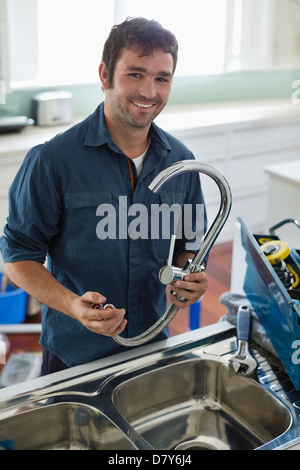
x: 103, y: 76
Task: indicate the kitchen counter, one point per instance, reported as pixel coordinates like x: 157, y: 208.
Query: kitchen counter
x: 173, y: 119
x: 283, y: 199
x: 287, y: 171
x: 195, y: 116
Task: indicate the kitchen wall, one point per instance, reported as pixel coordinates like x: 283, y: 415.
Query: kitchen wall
x: 238, y: 86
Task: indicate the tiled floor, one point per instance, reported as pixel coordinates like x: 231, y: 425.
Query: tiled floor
x: 218, y: 272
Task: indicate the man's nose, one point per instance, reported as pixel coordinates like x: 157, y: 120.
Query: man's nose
x: 148, y: 89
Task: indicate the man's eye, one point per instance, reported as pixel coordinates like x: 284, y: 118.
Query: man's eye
x: 162, y: 80
x: 135, y: 75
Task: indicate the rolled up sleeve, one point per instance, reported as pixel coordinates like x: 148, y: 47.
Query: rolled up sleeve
x: 34, y: 209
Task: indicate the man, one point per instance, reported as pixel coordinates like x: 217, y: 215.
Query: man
x: 102, y: 166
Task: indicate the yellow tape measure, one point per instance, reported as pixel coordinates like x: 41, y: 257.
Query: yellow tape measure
x: 275, y: 249
x: 296, y: 276
x: 263, y: 240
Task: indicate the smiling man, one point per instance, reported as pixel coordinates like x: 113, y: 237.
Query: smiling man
x: 106, y: 161
x: 140, y: 91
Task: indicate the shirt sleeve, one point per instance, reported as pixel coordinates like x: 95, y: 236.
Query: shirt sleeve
x: 34, y: 209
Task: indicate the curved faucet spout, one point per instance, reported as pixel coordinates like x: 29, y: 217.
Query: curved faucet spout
x: 209, y: 239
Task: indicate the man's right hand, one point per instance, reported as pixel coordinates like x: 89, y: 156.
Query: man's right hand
x: 35, y: 279
x: 104, y: 322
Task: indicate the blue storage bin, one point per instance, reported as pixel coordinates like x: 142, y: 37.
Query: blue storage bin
x: 13, y: 303
x: 195, y: 315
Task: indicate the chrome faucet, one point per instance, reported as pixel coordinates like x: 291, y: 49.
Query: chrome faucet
x: 197, y: 262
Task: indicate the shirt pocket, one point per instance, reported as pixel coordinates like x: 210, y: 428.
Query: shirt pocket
x: 80, y: 225
x: 171, y: 197
x: 87, y: 199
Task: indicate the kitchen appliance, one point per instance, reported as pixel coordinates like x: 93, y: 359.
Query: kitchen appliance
x: 14, y: 123
x: 277, y: 306
x: 52, y: 108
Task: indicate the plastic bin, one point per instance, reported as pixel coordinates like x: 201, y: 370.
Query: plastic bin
x: 13, y: 303
x: 195, y: 315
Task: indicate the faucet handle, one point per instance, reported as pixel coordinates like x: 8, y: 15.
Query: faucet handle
x: 169, y: 273
x: 171, y: 250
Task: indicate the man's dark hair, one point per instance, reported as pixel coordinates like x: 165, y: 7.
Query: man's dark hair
x: 146, y: 35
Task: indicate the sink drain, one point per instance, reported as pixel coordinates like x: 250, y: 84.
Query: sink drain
x: 202, y: 443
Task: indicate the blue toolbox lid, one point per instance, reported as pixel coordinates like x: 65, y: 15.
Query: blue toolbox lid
x: 278, y: 313
x: 287, y: 306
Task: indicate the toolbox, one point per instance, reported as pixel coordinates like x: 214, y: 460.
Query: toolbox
x: 273, y: 288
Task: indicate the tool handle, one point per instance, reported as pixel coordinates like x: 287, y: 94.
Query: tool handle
x: 243, y: 323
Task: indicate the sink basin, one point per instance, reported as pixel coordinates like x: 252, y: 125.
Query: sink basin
x: 180, y: 393
x: 200, y: 404
x: 61, y: 426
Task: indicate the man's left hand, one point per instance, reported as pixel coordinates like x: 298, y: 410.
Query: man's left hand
x: 191, y: 287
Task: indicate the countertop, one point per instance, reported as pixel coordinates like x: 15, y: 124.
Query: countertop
x: 289, y: 171
x: 172, y: 119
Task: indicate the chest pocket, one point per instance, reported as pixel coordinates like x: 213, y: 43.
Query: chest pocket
x: 87, y: 199
x: 172, y: 197
x: 80, y: 224
x: 83, y: 208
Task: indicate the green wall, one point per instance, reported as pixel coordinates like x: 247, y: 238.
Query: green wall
x: 241, y: 86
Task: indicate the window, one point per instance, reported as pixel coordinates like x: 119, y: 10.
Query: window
x: 199, y: 26
x: 54, y: 42
x: 51, y: 42
x: 71, y: 34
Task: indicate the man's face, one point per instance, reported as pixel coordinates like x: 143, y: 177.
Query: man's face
x: 141, y: 87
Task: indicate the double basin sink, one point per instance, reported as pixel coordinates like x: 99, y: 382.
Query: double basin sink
x: 178, y: 394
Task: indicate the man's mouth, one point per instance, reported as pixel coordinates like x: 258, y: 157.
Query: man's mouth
x: 142, y: 105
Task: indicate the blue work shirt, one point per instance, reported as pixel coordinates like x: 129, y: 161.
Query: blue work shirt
x: 57, y: 200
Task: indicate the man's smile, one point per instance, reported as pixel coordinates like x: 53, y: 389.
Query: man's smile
x: 142, y: 105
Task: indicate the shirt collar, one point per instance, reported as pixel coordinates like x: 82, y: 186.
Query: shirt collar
x: 98, y: 134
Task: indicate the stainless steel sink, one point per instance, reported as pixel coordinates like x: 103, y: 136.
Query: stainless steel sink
x: 180, y: 393
x: 62, y: 426
x: 200, y: 404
